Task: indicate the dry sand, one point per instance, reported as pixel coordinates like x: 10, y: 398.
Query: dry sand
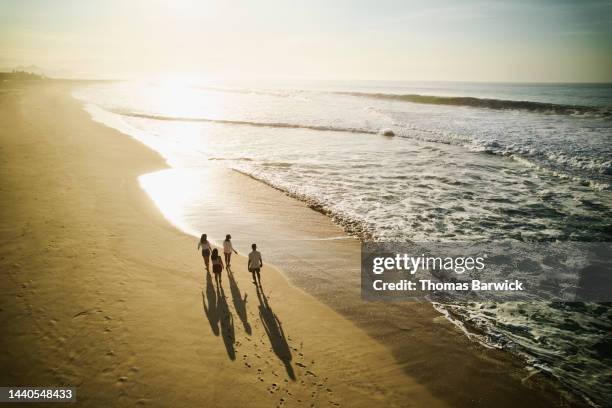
x: 102, y: 293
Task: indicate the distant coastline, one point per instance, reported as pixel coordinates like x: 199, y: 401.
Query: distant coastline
x: 20, y: 75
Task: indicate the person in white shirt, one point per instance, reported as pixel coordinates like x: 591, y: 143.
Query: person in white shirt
x: 228, y: 248
x: 255, y: 263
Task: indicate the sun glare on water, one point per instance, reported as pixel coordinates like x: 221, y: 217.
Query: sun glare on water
x: 172, y: 190
x: 178, y: 98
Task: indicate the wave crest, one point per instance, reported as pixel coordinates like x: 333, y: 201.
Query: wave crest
x: 498, y: 104
x: 281, y: 125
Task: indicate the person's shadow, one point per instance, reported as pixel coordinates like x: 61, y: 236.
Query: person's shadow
x: 227, y: 323
x: 210, y: 304
x: 239, y: 302
x: 274, y: 330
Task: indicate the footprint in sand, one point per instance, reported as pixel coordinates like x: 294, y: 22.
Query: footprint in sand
x: 86, y: 312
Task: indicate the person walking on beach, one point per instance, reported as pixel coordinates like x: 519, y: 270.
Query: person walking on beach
x: 217, y: 265
x: 227, y: 249
x: 255, y: 263
x: 205, y: 245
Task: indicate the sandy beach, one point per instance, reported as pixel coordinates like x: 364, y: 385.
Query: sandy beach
x: 103, y: 293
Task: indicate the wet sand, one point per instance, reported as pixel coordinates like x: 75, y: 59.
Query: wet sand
x: 101, y: 292
x: 316, y: 255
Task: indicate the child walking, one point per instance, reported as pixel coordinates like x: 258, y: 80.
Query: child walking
x: 217, y: 265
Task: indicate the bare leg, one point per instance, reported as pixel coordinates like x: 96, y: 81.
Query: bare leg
x: 206, y: 261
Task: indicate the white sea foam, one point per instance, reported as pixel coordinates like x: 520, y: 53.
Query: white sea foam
x: 451, y: 173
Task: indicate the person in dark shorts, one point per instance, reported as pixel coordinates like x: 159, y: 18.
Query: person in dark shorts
x: 217, y: 264
x: 255, y: 263
x: 206, y: 248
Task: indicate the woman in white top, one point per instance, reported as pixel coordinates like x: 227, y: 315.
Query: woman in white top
x: 227, y: 250
x: 206, y: 248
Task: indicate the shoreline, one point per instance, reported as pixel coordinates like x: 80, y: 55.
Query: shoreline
x: 108, y: 291
x: 407, y: 376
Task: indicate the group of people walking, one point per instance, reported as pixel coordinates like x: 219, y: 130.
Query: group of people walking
x: 211, y: 255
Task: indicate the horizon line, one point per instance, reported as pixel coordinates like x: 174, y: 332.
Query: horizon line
x: 509, y: 82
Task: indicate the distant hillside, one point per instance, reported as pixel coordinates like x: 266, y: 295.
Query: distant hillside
x: 20, y: 75
x: 34, y: 69
x: 45, y: 72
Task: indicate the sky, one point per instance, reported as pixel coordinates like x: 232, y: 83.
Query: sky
x: 440, y: 40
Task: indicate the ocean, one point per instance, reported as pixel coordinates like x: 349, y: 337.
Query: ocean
x: 409, y: 161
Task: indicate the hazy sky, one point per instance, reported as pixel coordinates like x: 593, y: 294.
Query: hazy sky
x: 530, y: 40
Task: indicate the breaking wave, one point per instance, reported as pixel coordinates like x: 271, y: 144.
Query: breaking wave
x: 281, y: 125
x: 499, y: 104
x: 558, y: 165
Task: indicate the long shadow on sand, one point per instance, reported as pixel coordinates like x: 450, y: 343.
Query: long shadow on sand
x: 227, y: 323
x: 274, y: 330
x: 239, y: 302
x: 218, y: 314
x: 210, y: 304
